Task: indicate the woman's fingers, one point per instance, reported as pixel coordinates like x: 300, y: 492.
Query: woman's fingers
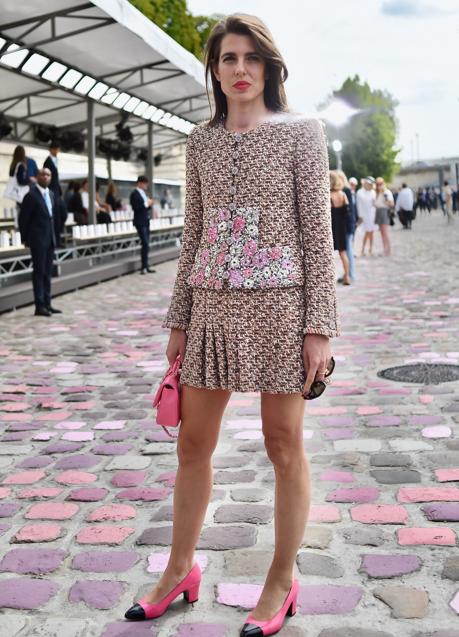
x: 321, y: 370
x: 309, y: 379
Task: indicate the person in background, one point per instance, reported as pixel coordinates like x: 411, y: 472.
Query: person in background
x: 37, y: 233
x: 339, y: 212
x: 404, y: 206
x: 384, y: 203
x: 447, y: 197
x: 18, y: 166
x: 141, y: 205
x: 100, y: 205
x: 69, y: 193
x: 80, y: 213
x: 18, y: 170
x: 32, y: 170
x: 428, y: 200
x: 51, y: 163
x: 352, y: 220
x: 111, y: 197
x: 367, y: 211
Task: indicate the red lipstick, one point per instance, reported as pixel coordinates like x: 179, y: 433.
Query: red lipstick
x: 241, y: 85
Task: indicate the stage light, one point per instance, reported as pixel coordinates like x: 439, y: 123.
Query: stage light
x: 35, y: 64
x: 70, y: 78
x: 45, y: 133
x: 72, y: 140
x: 124, y: 132
x: 15, y: 56
x: 5, y: 127
x: 85, y: 85
x: 54, y: 71
x: 99, y: 89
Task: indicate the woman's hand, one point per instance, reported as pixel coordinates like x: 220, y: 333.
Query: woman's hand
x: 176, y: 345
x: 316, y: 355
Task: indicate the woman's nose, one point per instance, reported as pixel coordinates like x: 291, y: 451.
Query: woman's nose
x: 240, y: 66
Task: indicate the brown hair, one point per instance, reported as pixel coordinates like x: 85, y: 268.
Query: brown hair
x: 19, y: 157
x: 111, y: 189
x: 276, y: 70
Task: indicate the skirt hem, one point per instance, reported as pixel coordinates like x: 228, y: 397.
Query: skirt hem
x: 240, y: 390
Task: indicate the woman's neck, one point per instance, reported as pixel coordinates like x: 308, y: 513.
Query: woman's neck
x: 243, y: 117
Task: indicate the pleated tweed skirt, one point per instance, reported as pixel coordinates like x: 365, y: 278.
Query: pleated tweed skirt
x: 246, y: 340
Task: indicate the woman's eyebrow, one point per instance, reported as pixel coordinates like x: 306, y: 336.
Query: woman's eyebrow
x: 233, y: 53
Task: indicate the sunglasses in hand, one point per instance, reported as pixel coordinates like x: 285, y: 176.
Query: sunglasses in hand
x: 319, y: 386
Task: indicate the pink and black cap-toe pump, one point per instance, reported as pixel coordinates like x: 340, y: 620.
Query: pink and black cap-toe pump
x: 189, y: 586
x: 257, y: 628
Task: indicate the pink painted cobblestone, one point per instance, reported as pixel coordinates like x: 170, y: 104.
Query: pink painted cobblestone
x: 86, y: 477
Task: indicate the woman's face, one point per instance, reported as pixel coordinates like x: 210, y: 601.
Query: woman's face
x: 240, y: 69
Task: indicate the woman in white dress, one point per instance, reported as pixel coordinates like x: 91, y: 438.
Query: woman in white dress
x: 367, y: 211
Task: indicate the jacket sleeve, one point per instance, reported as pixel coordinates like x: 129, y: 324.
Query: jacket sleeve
x: 179, y: 313
x: 24, y: 218
x: 313, y: 201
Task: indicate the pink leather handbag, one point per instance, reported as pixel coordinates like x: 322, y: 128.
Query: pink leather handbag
x: 167, y: 398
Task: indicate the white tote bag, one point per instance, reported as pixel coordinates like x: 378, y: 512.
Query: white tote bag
x: 13, y: 189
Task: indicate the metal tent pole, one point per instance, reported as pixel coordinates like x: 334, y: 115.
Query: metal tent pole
x: 150, y: 156
x: 91, y: 158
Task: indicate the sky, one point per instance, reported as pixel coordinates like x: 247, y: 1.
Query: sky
x: 409, y: 47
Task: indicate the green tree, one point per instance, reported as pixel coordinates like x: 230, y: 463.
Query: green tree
x: 369, y: 138
x: 173, y: 17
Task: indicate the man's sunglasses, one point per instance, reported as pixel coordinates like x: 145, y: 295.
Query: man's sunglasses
x: 319, y: 386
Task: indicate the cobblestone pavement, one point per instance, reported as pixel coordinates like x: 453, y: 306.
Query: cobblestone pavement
x: 86, y: 476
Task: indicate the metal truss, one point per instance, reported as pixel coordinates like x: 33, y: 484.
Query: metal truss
x: 127, y: 79
x: 48, y: 20
x: 103, y: 250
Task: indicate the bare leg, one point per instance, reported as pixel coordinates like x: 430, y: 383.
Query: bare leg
x: 282, y: 417
x: 366, y: 237
x: 385, y: 239
x: 370, y: 235
x: 345, y: 262
x: 198, y: 437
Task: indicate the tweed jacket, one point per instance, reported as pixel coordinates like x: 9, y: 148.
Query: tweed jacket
x: 257, y: 216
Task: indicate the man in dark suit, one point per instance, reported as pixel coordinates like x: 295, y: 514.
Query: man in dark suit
x: 141, y: 205
x: 37, y: 233
x: 60, y: 215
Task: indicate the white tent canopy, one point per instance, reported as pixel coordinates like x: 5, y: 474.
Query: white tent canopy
x: 108, y: 42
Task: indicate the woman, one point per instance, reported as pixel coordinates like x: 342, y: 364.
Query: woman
x: 384, y: 202
x: 367, y: 211
x: 340, y: 212
x: 18, y: 169
x: 249, y: 311
x: 111, y: 197
x: 80, y: 213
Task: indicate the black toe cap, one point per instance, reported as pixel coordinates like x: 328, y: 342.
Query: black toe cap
x: 251, y: 630
x: 136, y: 612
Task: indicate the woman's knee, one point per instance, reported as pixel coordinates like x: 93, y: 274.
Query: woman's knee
x: 191, y: 449
x: 285, y: 451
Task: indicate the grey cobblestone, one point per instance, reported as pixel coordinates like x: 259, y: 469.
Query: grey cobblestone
x: 383, y: 444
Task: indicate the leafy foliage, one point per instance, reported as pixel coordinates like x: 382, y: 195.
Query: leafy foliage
x: 370, y: 136
x: 173, y: 17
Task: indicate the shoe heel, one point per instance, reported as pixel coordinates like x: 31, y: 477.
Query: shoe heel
x: 292, y: 608
x: 192, y: 594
